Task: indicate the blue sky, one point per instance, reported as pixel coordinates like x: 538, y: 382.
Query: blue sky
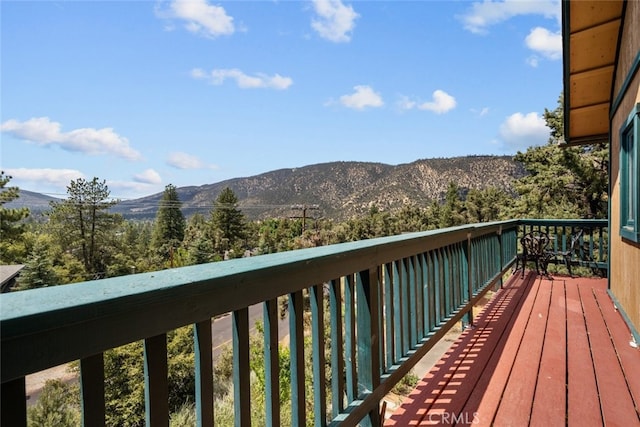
x: 189, y: 92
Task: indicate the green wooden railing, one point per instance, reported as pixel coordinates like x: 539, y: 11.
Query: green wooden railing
x: 389, y: 300
x: 591, y: 250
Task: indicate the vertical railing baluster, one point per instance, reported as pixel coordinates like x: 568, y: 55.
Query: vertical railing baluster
x: 467, y: 253
x: 397, y: 311
x: 426, y: 324
x: 13, y: 403
x: 431, y: 290
x: 337, y: 358
x: 381, y: 317
x: 437, y: 287
x: 92, y: 390
x: 204, y: 373
x: 296, y: 340
x: 156, y: 387
x: 446, y: 282
x: 241, y: 369
x: 418, y: 320
x: 317, y: 357
x: 412, y: 312
x: 350, y: 338
x: 367, y: 336
x: 271, y: 362
x: 404, y: 286
x: 388, y: 317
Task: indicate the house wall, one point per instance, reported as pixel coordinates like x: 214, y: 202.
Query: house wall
x: 625, y: 255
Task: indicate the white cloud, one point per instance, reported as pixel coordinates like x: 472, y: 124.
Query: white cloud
x: 149, y: 176
x: 490, y: 12
x: 43, y: 131
x: 185, y: 161
x: 545, y: 42
x: 244, y: 81
x: 520, y: 131
x: 442, y: 102
x: 46, y: 177
x: 363, y: 97
x: 201, y: 17
x: 335, y: 21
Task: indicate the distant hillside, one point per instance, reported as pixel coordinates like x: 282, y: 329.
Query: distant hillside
x: 36, y: 202
x: 341, y: 189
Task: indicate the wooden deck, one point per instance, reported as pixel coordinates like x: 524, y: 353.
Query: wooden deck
x: 543, y: 353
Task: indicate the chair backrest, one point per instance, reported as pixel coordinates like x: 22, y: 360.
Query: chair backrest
x: 535, y: 242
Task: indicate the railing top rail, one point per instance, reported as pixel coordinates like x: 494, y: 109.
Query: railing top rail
x: 41, y: 328
x: 566, y: 222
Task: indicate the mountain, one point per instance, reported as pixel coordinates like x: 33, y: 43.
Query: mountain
x: 340, y: 190
x: 36, y: 202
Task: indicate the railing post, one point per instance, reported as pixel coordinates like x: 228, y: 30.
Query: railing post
x: 337, y: 358
x: 501, y: 253
x: 156, y: 388
x: 241, y: 369
x: 317, y: 358
x: 368, y: 337
x: 204, y: 373
x: 468, y: 317
x: 92, y: 390
x: 296, y: 340
x: 271, y: 362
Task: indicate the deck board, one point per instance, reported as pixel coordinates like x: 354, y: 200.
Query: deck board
x: 543, y: 352
x: 583, y: 404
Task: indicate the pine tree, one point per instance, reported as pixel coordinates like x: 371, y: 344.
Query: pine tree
x: 169, y: 227
x: 38, y: 271
x: 562, y: 182
x: 83, y: 224
x: 10, y: 219
x: 228, y: 222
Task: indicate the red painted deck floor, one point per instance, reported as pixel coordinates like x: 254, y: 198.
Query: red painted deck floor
x: 542, y: 353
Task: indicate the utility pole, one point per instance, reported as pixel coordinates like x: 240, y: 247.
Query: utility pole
x: 304, y: 209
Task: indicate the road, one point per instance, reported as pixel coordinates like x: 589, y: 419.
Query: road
x: 222, y: 328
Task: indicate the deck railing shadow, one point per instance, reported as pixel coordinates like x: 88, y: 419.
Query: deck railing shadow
x: 451, y: 393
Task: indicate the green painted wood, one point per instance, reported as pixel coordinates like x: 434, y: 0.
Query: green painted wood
x: 241, y: 369
x: 121, y: 307
x: 156, y: 385
x: 296, y: 341
x: 427, y: 295
x: 437, y: 288
x: 203, y: 353
x: 92, y: 390
x: 397, y: 312
x: 412, y: 302
x: 388, y: 315
x: 271, y: 363
x: 419, y: 318
x: 381, y: 317
x: 317, y: 356
x: 350, y: 338
x: 337, y: 348
x: 13, y: 403
x: 367, y: 332
x: 405, y: 308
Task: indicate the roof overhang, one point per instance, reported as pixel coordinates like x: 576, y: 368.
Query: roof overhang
x: 590, y: 34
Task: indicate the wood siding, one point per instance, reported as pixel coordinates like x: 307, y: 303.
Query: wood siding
x: 625, y: 255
